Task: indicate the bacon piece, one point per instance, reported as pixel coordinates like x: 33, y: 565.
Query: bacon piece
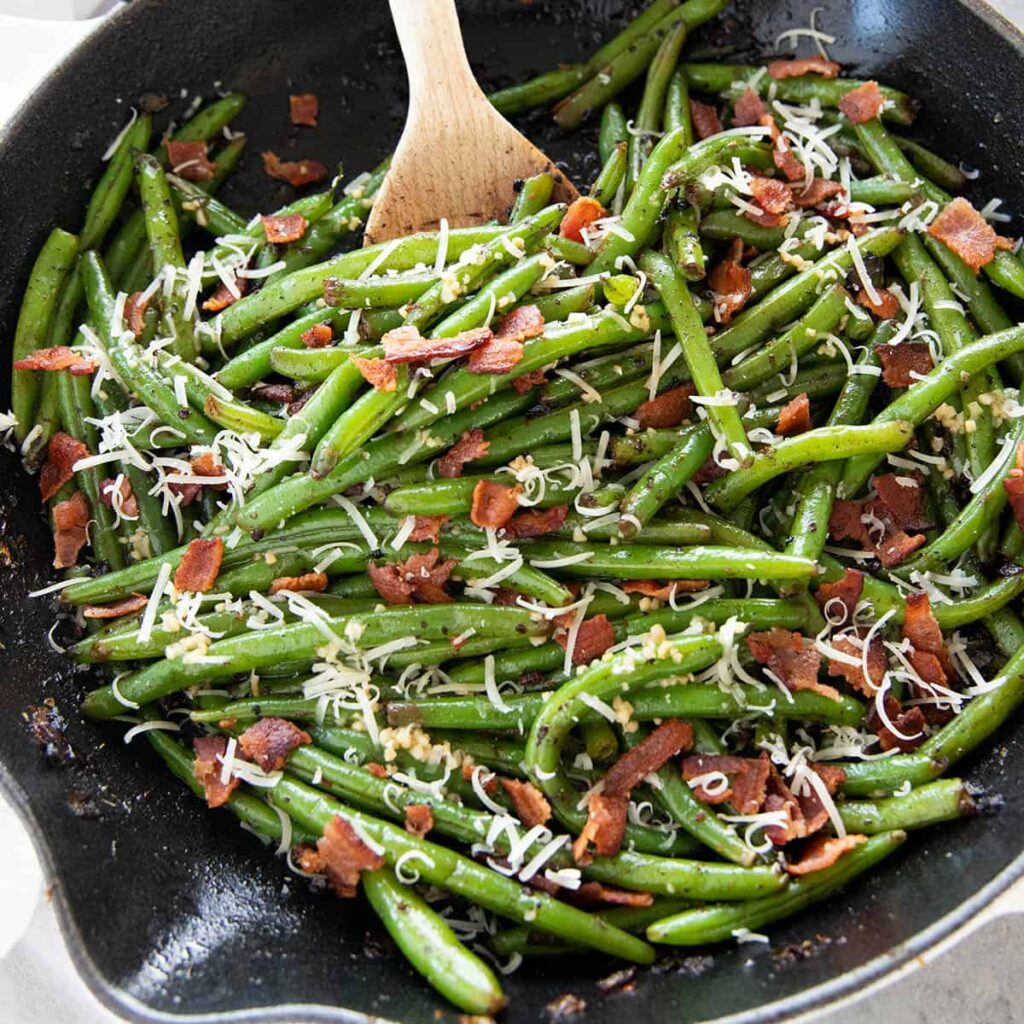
x: 388, y: 581
x: 797, y: 66
x: 308, y: 582
x: 532, y: 807
x: 494, y: 504
x: 62, y: 453
x: 533, y: 379
x: 748, y: 110
x: 782, y: 154
x: 427, y: 528
x: 748, y: 779
x: 58, y: 357
x: 900, y: 362
x: 817, y: 192
x: 116, y: 609
x: 378, y: 372
x: 197, y: 571
x: 406, y: 345
x: 420, y: 576
x: 898, y: 547
x: 269, y: 742
x: 273, y: 392
x: 70, y: 529
x: 593, y: 638
x: 706, y: 121
x: 854, y: 674
x: 909, y: 725
x: 795, y: 416
x: 885, y: 308
x: 730, y: 284
x: 773, y: 197
x: 1014, y: 486
x: 905, y: 504
x: 789, y: 656
x: 594, y: 894
x: 863, y: 103
x: 303, y: 109
x: 668, y: 409
x: 605, y: 828
x: 670, y: 738
x: 189, y: 160
x: 378, y: 771
x: 288, y: 228
x: 207, y: 768
x: 822, y: 852
x: 846, y: 590
x: 135, y: 307
x: 342, y: 855
x: 296, y: 173
x: 471, y: 445
x: 779, y: 798
x: 963, y: 230
x: 129, y: 504
x: 522, y: 324
x: 496, y: 356
x: 318, y: 336
x: 224, y: 297
x: 419, y: 819
x: 922, y: 630
x: 535, y: 522
x: 582, y: 212
x: 663, y: 591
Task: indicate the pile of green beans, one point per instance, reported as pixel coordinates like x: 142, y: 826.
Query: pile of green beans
x: 464, y: 586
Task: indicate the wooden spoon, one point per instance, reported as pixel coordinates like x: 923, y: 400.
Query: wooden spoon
x: 458, y: 158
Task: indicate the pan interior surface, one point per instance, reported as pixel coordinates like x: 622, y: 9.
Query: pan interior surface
x: 171, y: 910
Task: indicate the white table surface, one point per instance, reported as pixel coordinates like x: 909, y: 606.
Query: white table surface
x: 971, y: 978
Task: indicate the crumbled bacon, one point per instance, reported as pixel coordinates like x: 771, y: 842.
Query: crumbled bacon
x: 189, y: 160
x: 522, y: 324
x: 779, y: 799
x: 854, y: 674
x: 748, y: 778
x: 730, y: 284
x: 796, y: 66
x: 496, y: 356
x: 377, y: 770
x: 270, y: 741
x: 58, y: 357
x: 922, y: 630
x: 406, y: 345
x: 773, y: 197
x: 318, y: 336
x: 197, y: 571
x: 377, y: 372
x: 593, y: 638
x: 847, y: 590
x: 533, y: 379
x: 532, y: 807
x: 224, y: 296
x: 303, y: 109
x: 273, y: 392
x: 70, y: 529
x: 427, y: 528
x: 795, y: 416
x: 668, y: 409
x: 419, y: 819
x: 790, y: 657
x: 782, y: 154
x: 1014, y: 486
x: 421, y: 577
x: 315, y: 582
x: 129, y: 503
x: 535, y: 522
x: 116, y: 609
x: 135, y: 307
x: 822, y: 852
x: 748, y: 110
x: 663, y: 591
x: 908, y: 723
x: 706, y: 121
x: 905, y: 502
x: 288, y: 228
x: 814, y: 193
x: 582, y: 212
x: 296, y: 173
x: 207, y: 768
x: 885, y: 308
x: 901, y: 362
x: 342, y: 855
x: 594, y: 894
x: 494, y: 504
x: 605, y: 827
x: 963, y: 230
x: 863, y: 103
x: 471, y: 445
x: 62, y: 453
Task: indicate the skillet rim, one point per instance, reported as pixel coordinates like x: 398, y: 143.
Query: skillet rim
x: 832, y: 994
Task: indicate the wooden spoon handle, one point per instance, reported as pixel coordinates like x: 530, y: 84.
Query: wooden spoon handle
x: 440, y: 79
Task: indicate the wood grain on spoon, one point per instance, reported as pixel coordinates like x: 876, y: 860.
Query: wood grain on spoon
x: 458, y: 158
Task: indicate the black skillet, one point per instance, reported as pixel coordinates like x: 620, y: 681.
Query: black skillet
x: 170, y: 911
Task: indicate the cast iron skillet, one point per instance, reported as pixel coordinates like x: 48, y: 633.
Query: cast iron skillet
x: 170, y: 911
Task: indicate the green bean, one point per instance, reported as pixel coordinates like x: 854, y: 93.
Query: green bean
x: 455, y: 497
x: 721, y: 923
x: 609, y: 181
x: 380, y: 291
x: 682, y: 242
x: 534, y: 194
x: 932, y: 166
x: 538, y: 91
x: 559, y: 305
x: 677, y: 105
x: 45, y: 282
x: 930, y: 804
x: 1006, y: 630
x: 612, y: 132
x: 685, y: 173
x: 197, y: 205
x: 314, y: 365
